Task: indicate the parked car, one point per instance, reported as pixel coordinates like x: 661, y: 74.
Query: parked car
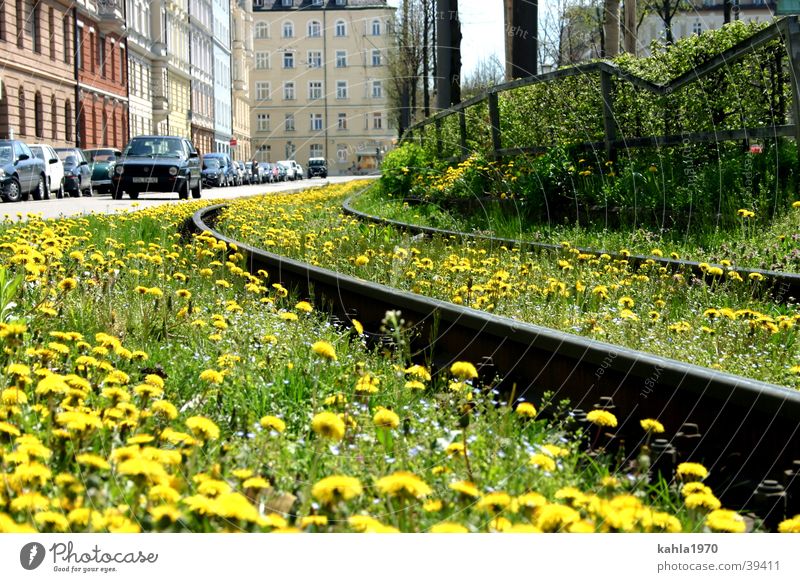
x: 101, y: 163
x: 227, y: 170
x: 253, y: 172
x: 21, y: 173
x: 291, y: 174
x: 157, y: 163
x: 281, y: 172
x: 299, y: 172
x: 239, y: 173
x: 317, y: 167
x: 264, y: 173
x: 53, y: 167
x: 213, y: 174
x: 77, y: 175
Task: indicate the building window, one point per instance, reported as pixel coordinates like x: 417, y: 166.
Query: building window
x: 68, y: 48
x: 316, y: 3
x: 376, y: 27
x: 697, y: 28
x: 342, y: 121
x: 20, y: 23
x: 288, y: 90
x: 316, y: 121
x: 341, y: 153
x: 315, y: 89
x: 262, y: 91
x: 314, y: 28
x: 262, y: 30
x: 54, y: 118
x: 376, y: 58
x: 341, y: 2
x: 288, y: 29
x: 263, y: 121
x: 51, y: 28
x: 22, y: 113
x: 315, y: 59
x: 262, y: 60
x: 341, y: 59
x: 316, y: 150
x: 289, y: 122
x: 258, y: 3
x: 38, y: 115
x: 286, y: 3
x: 341, y: 89
x: 101, y: 55
x: 291, y: 149
x: 288, y: 60
x: 68, y: 121
x: 122, y: 60
x: 377, y: 121
x: 36, y: 33
x: 341, y: 28
x: 377, y: 89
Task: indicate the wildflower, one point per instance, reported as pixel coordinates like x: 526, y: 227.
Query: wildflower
x: 273, y: 423
x: 465, y: 488
x: 602, y: 418
x: 335, y: 488
x: 324, y: 349
x: 626, y: 302
x: 212, y: 376
x: 67, y: 284
x: 51, y: 520
x: 494, y: 502
x: 362, y: 260
x: 419, y: 372
x: 328, y: 425
x: 357, y: 326
x: 414, y: 385
x: 313, y: 520
x: 695, y: 470
x: 165, y: 408
x: 385, y: 418
x: 203, y: 428
x: 705, y: 501
x: 755, y: 277
x: 723, y: 520
x: 304, y: 306
x: 13, y: 397
x: 526, y: 410
x: 403, y: 483
x: 554, y: 516
x: 543, y: 462
x: 744, y: 213
x: 651, y: 425
x: 790, y: 525
x: 92, y: 460
x: 463, y: 370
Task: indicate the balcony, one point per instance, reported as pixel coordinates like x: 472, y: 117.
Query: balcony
x: 111, y: 15
x: 160, y: 105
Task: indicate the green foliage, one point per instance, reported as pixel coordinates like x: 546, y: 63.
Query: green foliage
x: 10, y: 285
x: 402, y: 165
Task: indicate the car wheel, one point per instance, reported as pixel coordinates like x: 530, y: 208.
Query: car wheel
x: 38, y: 193
x: 12, y: 192
x: 183, y: 193
x: 47, y: 190
x: 198, y: 191
x: 117, y: 194
x: 60, y: 193
x: 133, y: 195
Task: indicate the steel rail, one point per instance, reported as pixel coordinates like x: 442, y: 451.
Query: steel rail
x: 750, y: 429
x: 784, y: 287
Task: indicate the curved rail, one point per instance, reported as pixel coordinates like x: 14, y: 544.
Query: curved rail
x: 784, y: 287
x: 748, y: 430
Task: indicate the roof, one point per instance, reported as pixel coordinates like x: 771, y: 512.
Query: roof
x: 277, y: 5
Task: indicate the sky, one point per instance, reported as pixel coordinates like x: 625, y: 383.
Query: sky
x: 483, y: 30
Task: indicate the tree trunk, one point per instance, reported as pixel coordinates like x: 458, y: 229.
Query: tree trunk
x: 611, y: 27
x: 448, y: 82
x: 630, y: 27
x: 426, y: 33
x: 508, y: 16
x: 524, y: 35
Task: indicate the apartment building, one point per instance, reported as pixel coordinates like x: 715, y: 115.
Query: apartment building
x: 241, y: 60
x: 201, y: 55
x: 223, y: 119
x: 102, y: 71
x: 37, y: 71
x: 140, y: 67
x: 319, y: 80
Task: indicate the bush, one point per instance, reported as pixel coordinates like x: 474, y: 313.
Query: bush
x: 401, y: 166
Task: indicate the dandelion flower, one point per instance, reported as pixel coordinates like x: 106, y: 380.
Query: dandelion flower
x: 725, y: 521
x: 324, y: 349
x: 328, y: 425
x: 694, y: 470
x: 336, y: 488
x: 448, y: 527
x: 602, y: 418
x: 385, y: 418
x: 212, y: 376
x: 203, y: 428
x: 651, y: 425
x: 526, y: 410
x: 403, y: 483
x: 273, y: 423
x: 463, y: 371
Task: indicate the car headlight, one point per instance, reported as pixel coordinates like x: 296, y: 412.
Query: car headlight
x: 173, y: 171
x: 118, y: 170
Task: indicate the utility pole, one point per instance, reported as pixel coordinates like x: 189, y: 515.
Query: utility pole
x: 448, y: 74
x: 629, y: 37
x: 524, y: 37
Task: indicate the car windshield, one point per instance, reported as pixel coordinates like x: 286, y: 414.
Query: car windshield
x: 68, y: 156
x: 37, y: 151
x: 154, y: 147
x: 210, y: 164
x: 100, y: 155
x: 316, y: 162
x: 5, y: 153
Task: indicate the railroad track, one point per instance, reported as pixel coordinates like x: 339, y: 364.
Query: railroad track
x: 783, y: 287
x: 745, y: 431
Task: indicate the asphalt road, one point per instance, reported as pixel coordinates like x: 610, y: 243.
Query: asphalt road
x: 104, y: 204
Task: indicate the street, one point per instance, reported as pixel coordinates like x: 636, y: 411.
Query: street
x: 103, y: 203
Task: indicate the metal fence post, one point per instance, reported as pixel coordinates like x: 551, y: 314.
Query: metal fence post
x: 609, y: 127
x: 494, y: 122
x: 793, y: 54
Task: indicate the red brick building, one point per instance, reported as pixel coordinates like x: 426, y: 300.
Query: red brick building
x: 102, y: 74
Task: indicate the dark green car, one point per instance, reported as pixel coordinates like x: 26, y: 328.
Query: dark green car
x: 102, y: 162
